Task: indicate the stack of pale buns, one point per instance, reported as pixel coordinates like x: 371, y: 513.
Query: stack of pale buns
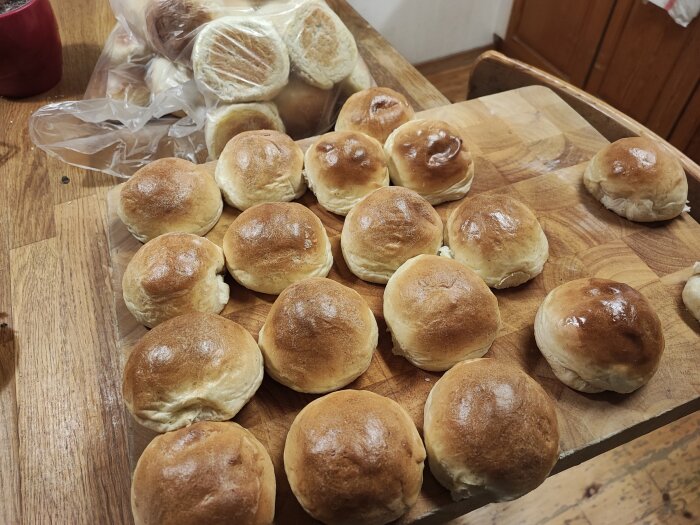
x: 352, y: 456
x: 278, y: 65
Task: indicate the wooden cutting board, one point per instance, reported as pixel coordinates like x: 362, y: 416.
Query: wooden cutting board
x: 528, y: 143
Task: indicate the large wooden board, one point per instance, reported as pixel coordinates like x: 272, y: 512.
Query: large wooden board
x: 529, y: 144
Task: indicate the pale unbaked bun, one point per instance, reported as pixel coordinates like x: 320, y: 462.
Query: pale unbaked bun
x: 359, y: 79
x: 638, y: 179
x: 272, y: 245
x: 226, y: 122
x: 490, y: 428
x: 162, y: 75
x: 171, y: 24
x: 375, y: 112
x: 127, y: 83
x: 174, y: 274
x: 318, y: 336
x: 499, y: 238
x: 210, y: 472
x: 305, y: 109
x: 169, y: 195
x: 599, y: 335
x: 126, y: 47
x: 354, y: 457
x: 385, y: 229
x: 344, y: 166
x: 322, y: 50
x: 190, y: 368
x: 260, y: 166
x: 439, y: 313
x: 691, y: 292
x: 430, y: 158
x: 240, y: 59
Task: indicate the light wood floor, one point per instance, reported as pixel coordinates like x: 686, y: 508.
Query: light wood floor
x: 652, y: 480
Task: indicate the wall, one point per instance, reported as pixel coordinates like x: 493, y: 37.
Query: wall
x: 425, y: 29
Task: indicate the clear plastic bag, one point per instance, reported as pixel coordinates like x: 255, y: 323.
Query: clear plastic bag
x: 180, y: 77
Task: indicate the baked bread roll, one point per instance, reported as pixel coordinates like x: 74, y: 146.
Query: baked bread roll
x: 127, y: 83
x: 319, y: 336
x: 375, y: 112
x: 126, y: 47
x: 691, y: 292
x: 638, y: 179
x: 305, y: 109
x: 173, y: 79
x: 344, y: 166
x: 598, y: 335
x: 322, y: 50
x: 213, y: 473
x: 162, y: 74
x: 171, y: 24
x: 175, y: 274
x: 354, y: 457
x: 260, y: 166
x: 385, y: 229
x: 439, y: 313
x: 169, y: 195
x: 190, y: 368
x: 499, y: 238
x: 240, y: 59
x: 430, y: 158
x: 358, y: 80
x: 272, y: 245
x: 490, y: 428
x: 226, y: 122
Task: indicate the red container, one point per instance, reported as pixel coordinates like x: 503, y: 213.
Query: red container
x: 30, y: 50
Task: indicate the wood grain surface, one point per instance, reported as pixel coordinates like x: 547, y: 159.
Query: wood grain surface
x: 528, y: 144
x: 63, y: 430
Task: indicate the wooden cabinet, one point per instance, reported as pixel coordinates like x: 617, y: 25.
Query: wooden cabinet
x: 629, y: 53
x: 561, y: 37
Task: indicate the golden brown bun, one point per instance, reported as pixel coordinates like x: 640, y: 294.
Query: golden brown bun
x: 305, y: 109
x: 499, y: 238
x: 375, y: 112
x: 344, y: 166
x: 318, y: 336
x: 599, y: 335
x: 385, y: 229
x: 169, y: 195
x: 430, y: 158
x: 213, y: 473
x: 489, y: 427
x: 354, y: 457
x: 175, y: 274
x: 260, y: 166
x: 638, y: 179
x: 439, y: 312
x: 170, y: 24
x: 272, y: 245
x: 190, y: 368
x: 691, y: 292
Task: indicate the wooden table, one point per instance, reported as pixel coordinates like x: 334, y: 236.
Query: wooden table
x: 63, y: 434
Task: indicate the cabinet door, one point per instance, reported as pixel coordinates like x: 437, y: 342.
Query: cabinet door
x: 648, y: 65
x: 686, y: 132
x: 561, y: 37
